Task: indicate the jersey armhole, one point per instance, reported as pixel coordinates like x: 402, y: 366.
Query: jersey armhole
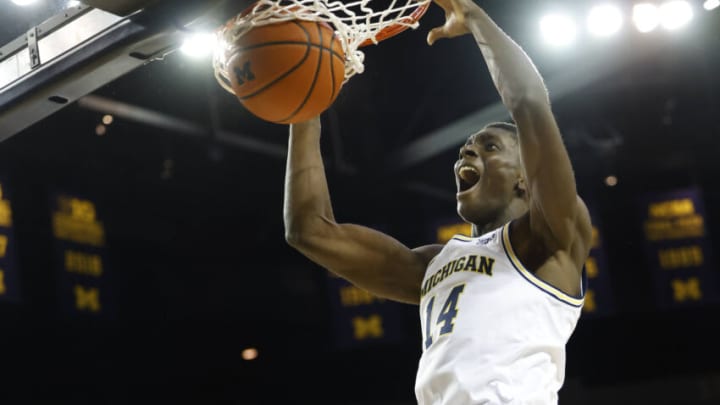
x: 575, y: 301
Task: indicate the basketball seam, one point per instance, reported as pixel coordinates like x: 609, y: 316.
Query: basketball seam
x: 287, y: 73
x: 310, y: 44
x: 332, y: 70
x: 315, y: 77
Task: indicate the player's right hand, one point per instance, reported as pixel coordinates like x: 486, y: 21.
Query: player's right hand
x: 457, y: 13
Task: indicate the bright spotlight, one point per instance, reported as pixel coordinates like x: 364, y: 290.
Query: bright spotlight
x: 23, y: 2
x: 558, y: 29
x: 711, y: 4
x: 604, y: 20
x: 646, y: 17
x: 250, y: 353
x: 675, y: 14
x: 198, y: 45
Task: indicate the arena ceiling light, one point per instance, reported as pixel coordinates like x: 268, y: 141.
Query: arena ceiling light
x: 558, y: 29
x: 24, y: 2
x: 199, y: 44
x: 675, y: 14
x: 646, y: 17
x: 711, y: 4
x: 604, y: 20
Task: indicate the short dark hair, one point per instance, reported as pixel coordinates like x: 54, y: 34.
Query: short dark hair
x: 508, y: 126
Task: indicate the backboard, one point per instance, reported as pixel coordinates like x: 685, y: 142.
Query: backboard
x: 53, y: 52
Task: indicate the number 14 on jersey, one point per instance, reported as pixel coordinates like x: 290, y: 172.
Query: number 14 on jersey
x: 445, y: 318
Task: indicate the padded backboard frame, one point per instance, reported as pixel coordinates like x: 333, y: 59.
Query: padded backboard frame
x: 84, y: 48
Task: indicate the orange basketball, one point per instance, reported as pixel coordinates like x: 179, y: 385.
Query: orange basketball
x: 288, y: 72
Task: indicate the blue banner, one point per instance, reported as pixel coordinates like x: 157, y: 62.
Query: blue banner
x: 599, y: 299
x: 9, y: 272
x: 678, y: 248
x: 80, y: 257
x: 361, y: 319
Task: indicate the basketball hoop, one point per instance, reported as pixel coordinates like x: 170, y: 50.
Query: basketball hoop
x: 357, y: 23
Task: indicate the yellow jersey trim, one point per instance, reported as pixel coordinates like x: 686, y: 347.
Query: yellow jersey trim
x: 462, y: 238
x: 533, y: 279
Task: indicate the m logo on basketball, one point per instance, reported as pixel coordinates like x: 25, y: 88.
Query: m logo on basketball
x: 244, y: 74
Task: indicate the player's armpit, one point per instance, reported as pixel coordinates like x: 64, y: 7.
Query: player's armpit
x: 367, y: 258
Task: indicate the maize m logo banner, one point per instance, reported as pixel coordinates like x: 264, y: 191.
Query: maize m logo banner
x: 80, y: 257
x: 360, y: 318
x: 599, y: 299
x: 678, y: 248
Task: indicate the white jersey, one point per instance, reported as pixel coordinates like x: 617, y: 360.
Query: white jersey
x: 493, y: 333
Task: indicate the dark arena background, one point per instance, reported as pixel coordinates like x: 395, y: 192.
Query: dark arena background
x: 142, y: 250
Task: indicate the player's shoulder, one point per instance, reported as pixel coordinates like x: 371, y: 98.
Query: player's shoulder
x: 535, y: 227
x: 584, y: 220
x: 537, y: 238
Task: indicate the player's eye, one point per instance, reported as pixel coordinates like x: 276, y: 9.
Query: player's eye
x: 491, y: 147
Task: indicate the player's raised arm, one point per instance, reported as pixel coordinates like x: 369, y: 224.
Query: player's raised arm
x: 556, y: 212
x: 369, y: 259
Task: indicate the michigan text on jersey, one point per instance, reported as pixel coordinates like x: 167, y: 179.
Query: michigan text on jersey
x: 473, y: 263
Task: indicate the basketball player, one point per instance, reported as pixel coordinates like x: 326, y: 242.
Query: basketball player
x: 496, y: 308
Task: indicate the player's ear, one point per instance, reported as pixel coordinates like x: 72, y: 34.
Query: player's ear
x: 520, y: 188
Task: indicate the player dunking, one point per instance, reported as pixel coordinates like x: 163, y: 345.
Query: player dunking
x: 497, y: 308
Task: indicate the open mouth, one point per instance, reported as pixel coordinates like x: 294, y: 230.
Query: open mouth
x: 468, y: 177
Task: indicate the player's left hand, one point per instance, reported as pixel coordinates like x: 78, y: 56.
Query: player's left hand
x: 456, y: 14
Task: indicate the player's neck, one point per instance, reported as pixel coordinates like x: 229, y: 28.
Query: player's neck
x: 511, y: 212
x: 482, y: 229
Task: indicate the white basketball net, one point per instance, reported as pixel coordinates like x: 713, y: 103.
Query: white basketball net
x: 356, y: 23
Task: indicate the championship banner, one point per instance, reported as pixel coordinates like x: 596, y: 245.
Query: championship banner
x: 80, y: 257
x: 9, y: 272
x: 678, y: 248
x: 598, y: 295
x: 361, y: 319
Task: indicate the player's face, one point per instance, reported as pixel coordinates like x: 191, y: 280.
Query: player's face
x: 486, y: 174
